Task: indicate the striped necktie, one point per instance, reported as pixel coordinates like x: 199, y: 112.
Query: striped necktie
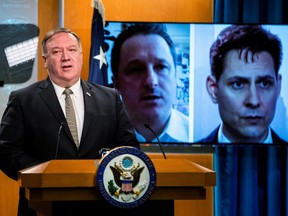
x: 70, y: 116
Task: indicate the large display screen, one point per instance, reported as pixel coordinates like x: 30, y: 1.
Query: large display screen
x: 193, y: 42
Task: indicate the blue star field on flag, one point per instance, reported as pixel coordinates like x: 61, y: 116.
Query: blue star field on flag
x: 98, y: 64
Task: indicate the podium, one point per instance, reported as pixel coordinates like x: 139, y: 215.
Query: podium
x: 62, y: 181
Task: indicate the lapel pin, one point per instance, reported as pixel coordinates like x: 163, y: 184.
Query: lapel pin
x: 88, y: 94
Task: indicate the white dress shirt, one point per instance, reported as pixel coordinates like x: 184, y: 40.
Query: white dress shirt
x: 177, y: 129
x: 78, y: 103
x: 223, y: 139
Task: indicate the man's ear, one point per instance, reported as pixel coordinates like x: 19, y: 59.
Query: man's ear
x: 279, y: 82
x: 212, y: 88
x: 44, y: 59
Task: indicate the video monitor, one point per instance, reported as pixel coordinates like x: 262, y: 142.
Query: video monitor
x: 18, y: 46
x: 193, y: 42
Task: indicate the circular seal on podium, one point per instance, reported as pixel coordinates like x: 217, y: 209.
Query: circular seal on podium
x: 126, y: 177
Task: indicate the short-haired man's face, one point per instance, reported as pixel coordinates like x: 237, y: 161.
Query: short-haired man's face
x: 63, y: 59
x: 146, y: 78
x: 246, y: 94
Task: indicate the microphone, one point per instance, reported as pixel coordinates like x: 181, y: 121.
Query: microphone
x: 103, y: 151
x: 58, y: 138
x: 159, y: 143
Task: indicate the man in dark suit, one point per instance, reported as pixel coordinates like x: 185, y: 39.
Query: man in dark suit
x: 245, y: 83
x: 213, y: 138
x: 34, y: 127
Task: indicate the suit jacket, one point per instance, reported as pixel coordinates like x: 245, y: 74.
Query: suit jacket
x: 212, y: 138
x: 31, y: 122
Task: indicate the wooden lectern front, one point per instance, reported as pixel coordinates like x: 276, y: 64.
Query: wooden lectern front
x: 74, y: 180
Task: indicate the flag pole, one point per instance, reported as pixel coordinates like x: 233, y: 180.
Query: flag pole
x: 100, y: 7
x: 61, y: 13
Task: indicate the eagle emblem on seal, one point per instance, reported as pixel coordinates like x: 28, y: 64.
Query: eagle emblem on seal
x: 126, y: 183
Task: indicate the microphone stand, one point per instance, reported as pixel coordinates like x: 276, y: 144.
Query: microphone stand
x: 159, y: 143
x: 58, y: 139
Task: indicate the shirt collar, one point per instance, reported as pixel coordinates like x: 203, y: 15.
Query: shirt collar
x: 176, y: 129
x: 76, y: 88
x: 223, y: 139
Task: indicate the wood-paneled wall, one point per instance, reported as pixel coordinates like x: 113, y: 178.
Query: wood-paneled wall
x: 9, y: 193
x: 78, y: 17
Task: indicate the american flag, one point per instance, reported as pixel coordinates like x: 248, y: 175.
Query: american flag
x: 98, y: 64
